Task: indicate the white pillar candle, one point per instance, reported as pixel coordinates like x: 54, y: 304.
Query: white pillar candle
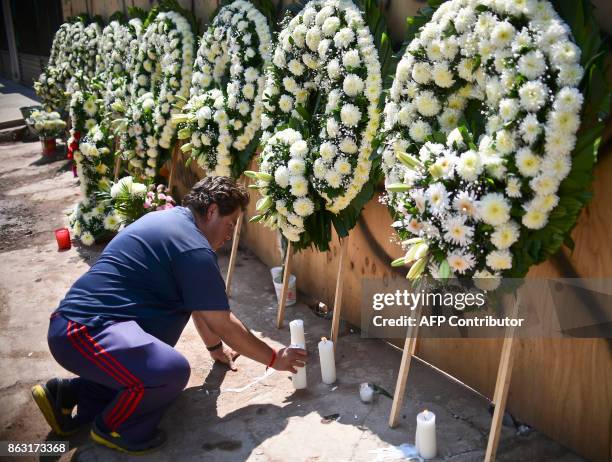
x: 328, y: 363
x: 297, y: 332
x: 425, y: 439
x: 299, y: 379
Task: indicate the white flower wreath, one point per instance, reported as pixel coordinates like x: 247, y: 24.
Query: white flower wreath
x: 460, y: 191
x: 220, y: 123
x: 328, y: 48
x: 116, y: 60
x: 283, y: 183
x: 82, y: 60
x: 50, y: 85
x: 161, y: 75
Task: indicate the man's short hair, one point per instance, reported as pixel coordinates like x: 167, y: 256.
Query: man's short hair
x: 220, y: 190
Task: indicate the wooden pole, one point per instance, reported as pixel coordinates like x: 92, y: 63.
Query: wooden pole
x: 117, y: 160
x: 173, y: 163
x: 235, y: 242
x: 402, y: 376
x: 502, y: 385
x: 283, y: 299
x: 338, y: 295
x: 234, y: 254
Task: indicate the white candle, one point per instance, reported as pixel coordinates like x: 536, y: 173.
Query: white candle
x: 297, y: 332
x: 299, y: 379
x: 328, y: 363
x: 366, y: 392
x: 425, y: 439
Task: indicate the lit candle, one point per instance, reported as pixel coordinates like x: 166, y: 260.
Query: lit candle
x: 299, y: 379
x: 328, y: 363
x: 297, y: 332
x: 425, y: 439
x: 62, y: 236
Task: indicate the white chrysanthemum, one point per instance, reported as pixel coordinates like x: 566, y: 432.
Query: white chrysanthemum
x: 545, y: 183
x: 449, y: 119
x: 427, y: 103
x: 351, y: 59
x: 513, y: 187
x: 486, y: 280
x: 299, y: 149
x: 111, y: 222
x: 493, y: 209
x: 505, y: 235
x: 348, y: 146
x: 350, y: 115
x: 352, y: 85
x: 469, y: 166
x: 533, y: 95
x: 499, y: 260
x: 570, y: 75
x: 502, y: 34
x: 419, y: 130
x: 303, y: 207
x: 457, y: 232
x: 281, y: 176
x: 559, y: 143
x: 299, y: 186
x: 296, y: 167
x: 437, y: 196
x: 563, y: 121
x: 460, y: 262
x: 344, y: 37
x: 285, y: 103
x: 421, y: 72
x: 342, y: 166
x: 442, y: 75
x: 527, y: 162
x: 508, y: 108
x: 333, y: 178
x: 535, y: 218
x: 568, y: 100
x: 530, y: 128
x: 557, y: 165
x: 532, y: 65
x: 505, y: 141
x: 87, y: 238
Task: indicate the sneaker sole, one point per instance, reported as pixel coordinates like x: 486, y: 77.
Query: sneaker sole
x: 109, y: 444
x: 41, y: 398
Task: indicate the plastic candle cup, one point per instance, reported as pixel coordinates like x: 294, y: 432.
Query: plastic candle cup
x: 62, y: 236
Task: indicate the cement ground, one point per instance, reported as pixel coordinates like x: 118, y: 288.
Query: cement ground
x: 217, y: 418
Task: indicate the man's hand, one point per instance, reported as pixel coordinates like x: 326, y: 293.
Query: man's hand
x: 225, y: 355
x: 288, y: 359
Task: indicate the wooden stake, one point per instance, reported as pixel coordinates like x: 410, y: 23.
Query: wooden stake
x: 235, y: 241
x: 338, y: 296
x: 283, y: 299
x: 402, y: 376
x: 173, y: 166
x: 233, y: 255
x: 117, y: 161
x: 502, y: 385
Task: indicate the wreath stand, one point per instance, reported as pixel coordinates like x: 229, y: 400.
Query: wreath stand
x: 502, y: 383
x: 234, y: 253
x: 174, y: 161
x: 338, y: 294
x: 117, y: 161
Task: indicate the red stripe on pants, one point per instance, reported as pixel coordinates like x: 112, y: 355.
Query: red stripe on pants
x: 134, y: 387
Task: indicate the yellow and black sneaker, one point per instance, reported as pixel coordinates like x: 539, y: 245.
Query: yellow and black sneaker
x: 56, y: 402
x: 115, y: 441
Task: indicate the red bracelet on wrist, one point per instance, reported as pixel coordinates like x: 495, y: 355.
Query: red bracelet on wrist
x: 272, y: 360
